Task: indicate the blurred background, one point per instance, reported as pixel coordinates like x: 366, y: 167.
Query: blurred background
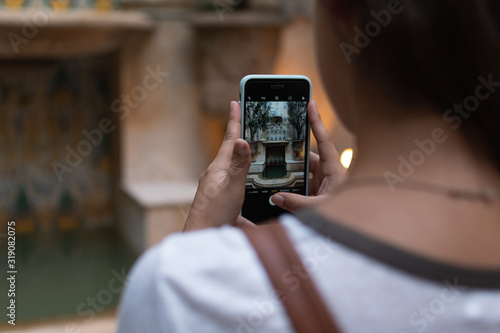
x: 109, y: 113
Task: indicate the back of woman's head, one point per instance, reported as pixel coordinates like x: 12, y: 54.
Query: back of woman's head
x: 443, y: 53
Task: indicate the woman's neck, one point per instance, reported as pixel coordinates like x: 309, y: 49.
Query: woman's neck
x: 423, y: 147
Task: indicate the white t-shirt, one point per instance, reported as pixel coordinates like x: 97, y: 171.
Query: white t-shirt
x: 212, y: 281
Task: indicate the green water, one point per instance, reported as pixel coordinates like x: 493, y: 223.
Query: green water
x: 274, y: 171
x: 57, y: 272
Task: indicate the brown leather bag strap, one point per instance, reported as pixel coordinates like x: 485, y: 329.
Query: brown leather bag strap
x: 302, y: 301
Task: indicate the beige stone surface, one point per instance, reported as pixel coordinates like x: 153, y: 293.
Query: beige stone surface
x: 158, y: 229
x: 42, y: 33
x: 152, y: 210
x: 227, y: 55
x: 161, y: 136
x: 104, y: 323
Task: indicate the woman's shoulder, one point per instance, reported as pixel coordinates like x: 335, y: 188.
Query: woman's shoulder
x: 203, y: 248
x: 208, y: 277
x: 225, y: 249
x: 187, y: 259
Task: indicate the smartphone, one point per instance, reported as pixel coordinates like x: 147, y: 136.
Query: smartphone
x: 275, y: 124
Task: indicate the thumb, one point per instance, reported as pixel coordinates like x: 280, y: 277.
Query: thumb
x: 240, y: 163
x: 294, y: 202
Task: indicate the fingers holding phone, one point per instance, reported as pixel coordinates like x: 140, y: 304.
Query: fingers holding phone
x: 221, y: 188
x: 326, y: 169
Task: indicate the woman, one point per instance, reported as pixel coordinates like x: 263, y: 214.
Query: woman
x: 410, y: 242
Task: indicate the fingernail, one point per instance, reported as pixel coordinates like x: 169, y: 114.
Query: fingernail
x: 241, y: 148
x: 278, y: 200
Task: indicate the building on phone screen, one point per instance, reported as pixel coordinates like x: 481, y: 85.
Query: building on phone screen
x: 276, y: 133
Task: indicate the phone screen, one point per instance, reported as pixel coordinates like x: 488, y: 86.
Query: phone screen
x: 276, y: 126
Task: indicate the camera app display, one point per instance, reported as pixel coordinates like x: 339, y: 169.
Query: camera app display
x: 276, y: 133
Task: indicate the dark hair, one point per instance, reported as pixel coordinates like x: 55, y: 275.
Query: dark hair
x: 433, y: 52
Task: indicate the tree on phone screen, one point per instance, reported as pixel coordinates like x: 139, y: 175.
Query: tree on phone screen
x: 297, y: 116
x: 257, y: 116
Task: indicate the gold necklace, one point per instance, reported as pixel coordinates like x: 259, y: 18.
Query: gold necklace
x: 486, y: 194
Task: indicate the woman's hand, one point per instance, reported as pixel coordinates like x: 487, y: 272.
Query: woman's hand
x: 221, y: 189
x: 326, y: 169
